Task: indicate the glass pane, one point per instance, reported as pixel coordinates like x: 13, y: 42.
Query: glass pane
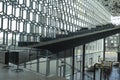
x: 40, y: 29
x: 1, y: 37
x: 17, y: 38
x: 28, y: 27
x: 37, y: 18
x: 13, y: 25
x: 25, y: 38
x: 24, y: 14
x: 27, y: 3
x: 37, y: 29
x: 53, y: 67
x: 17, y: 12
x: 34, y: 4
x: 10, y: 39
x: 40, y: 6
x: 0, y: 22
x: 31, y: 16
x: 43, y: 66
x: 21, y: 26
x: 1, y: 7
x: 5, y: 23
x: 9, y: 9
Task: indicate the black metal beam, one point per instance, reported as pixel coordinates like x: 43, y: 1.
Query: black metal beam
x: 73, y: 62
x: 83, y: 63
x: 104, y: 49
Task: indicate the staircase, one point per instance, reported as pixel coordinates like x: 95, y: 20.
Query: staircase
x: 73, y: 39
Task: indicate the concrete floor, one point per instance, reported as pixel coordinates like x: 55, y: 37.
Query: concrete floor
x: 9, y: 74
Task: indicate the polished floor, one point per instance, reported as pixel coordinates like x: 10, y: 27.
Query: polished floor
x: 12, y: 74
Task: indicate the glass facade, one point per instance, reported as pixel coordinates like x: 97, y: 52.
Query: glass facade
x: 31, y: 20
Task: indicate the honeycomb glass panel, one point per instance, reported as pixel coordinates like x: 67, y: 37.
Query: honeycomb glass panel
x: 24, y: 14
x: 21, y: 26
x: 1, y: 7
x: 1, y: 22
x: 28, y: 28
x: 34, y: 5
x: 27, y: 3
x: 37, y: 18
x: 1, y: 37
x: 31, y: 16
x: 17, y: 14
x: 5, y: 23
x: 13, y: 27
x: 9, y: 9
x: 9, y: 38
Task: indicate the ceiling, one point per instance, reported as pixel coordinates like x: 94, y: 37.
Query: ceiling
x: 113, y: 6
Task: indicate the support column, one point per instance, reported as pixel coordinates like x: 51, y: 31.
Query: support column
x: 57, y: 63
x: 38, y: 61
x: 101, y: 73
x: 94, y: 72
x: 64, y: 69
x: 47, y: 65
x: 118, y: 54
x: 104, y: 49
x: 83, y: 63
x: 118, y: 51
x: 73, y: 62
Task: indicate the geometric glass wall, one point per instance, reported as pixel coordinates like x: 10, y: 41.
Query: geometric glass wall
x: 29, y: 20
